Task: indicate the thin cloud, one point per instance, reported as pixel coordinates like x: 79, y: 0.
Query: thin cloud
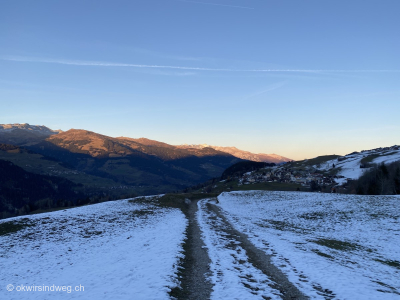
x: 267, y: 89
x: 109, y: 64
x: 216, y: 4
x: 170, y: 73
x: 163, y: 55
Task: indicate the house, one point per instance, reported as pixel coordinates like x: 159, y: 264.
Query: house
x: 301, y: 180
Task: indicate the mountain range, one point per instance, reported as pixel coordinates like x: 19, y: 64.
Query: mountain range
x: 140, y: 164
x: 40, y: 166
x: 246, y: 155
x: 26, y: 135
x: 93, y: 165
x: 99, y: 162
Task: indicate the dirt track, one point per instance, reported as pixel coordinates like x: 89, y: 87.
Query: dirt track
x: 195, y: 267
x: 194, y: 283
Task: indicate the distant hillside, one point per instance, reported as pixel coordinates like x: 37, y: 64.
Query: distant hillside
x: 240, y: 168
x: 350, y: 166
x: 23, y: 134
x: 120, y: 166
x: 83, y: 141
x: 355, y: 173
x: 260, y: 157
x: 97, y: 145
x: 22, y: 192
x: 146, y: 142
x: 117, y: 165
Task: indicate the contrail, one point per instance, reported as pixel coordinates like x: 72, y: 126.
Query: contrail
x: 269, y: 88
x: 109, y: 64
x: 215, y: 4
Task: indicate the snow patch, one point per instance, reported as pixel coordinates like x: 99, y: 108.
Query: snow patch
x: 115, y: 250
x: 345, y: 244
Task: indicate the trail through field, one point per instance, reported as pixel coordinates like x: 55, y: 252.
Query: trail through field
x: 239, y: 270
x: 195, y: 265
x: 241, y: 245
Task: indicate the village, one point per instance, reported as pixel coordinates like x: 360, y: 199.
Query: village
x: 287, y: 175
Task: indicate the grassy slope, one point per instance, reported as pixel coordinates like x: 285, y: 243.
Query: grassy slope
x: 314, y: 161
x: 370, y: 158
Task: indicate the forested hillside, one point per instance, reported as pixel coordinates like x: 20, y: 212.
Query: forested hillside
x: 22, y: 192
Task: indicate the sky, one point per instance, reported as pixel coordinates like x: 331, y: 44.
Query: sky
x: 298, y: 78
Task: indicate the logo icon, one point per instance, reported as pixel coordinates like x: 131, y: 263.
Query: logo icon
x: 10, y: 287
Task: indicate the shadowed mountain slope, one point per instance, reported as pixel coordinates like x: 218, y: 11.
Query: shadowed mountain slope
x: 137, y: 166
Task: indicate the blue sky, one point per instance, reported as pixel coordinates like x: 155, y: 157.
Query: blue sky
x: 296, y: 78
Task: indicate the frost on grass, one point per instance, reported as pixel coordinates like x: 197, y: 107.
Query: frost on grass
x: 346, y: 246
x: 115, y: 250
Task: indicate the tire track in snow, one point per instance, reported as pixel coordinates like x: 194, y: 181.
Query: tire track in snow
x: 194, y: 268
x: 240, y: 269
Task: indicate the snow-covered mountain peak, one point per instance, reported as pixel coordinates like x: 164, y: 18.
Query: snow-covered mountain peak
x: 260, y: 157
x: 40, y: 129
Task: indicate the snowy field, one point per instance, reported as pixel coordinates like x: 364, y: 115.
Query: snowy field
x: 114, y: 250
x: 345, y: 246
